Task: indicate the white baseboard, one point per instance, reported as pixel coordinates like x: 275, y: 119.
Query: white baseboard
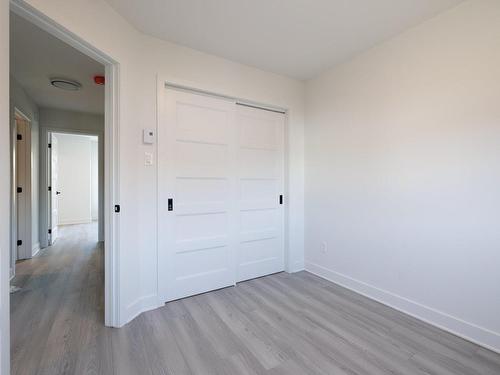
x: 139, y: 306
x: 298, y: 266
x: 35, y: 249
x: 74, y: 222
x: 468, y: 331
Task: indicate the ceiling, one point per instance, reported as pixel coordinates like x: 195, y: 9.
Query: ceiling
x: 36, y: 56
x: 297, y: 38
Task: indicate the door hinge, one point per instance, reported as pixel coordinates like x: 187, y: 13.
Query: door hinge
x: 19, y: 189
x: 281, y: 199
x: 19, y: 137
x: 50, y: 188
x: 117, y: 208
x: 50, y: 145
x: 50, y: 231
x: 19, y: 242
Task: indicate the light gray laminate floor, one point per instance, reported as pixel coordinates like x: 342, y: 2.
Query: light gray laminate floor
x: 280, y: 324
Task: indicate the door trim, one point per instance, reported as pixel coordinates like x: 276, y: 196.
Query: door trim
x: 27, y: 235
x: 45, y: 178
x: 111, y: 152
x: 238, y: 101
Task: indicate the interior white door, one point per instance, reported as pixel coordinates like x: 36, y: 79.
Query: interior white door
x: 22, y: 168
x: 54, y: 193
x: 196, y: 195
x: 260, y: 248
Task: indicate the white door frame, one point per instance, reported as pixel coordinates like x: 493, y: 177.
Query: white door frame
x: 111, y: 152
x: 14, y: 254
x: 45, y: 177
x: 46, y: 180
x: 164, y: 82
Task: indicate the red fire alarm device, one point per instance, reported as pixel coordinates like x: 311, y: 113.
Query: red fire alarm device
x: 99, y: 80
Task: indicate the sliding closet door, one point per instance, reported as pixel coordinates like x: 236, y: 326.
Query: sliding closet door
x: 220, y: 171
x: 197, y: 194
x: 260, y: 249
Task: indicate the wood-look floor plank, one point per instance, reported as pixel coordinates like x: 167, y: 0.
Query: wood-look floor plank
x: 279, y: 324
x: 255, y: 338
x: 368, y: 341
x: 327, y: 337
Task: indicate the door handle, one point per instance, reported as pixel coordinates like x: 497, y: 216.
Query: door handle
x: 58, y: 192
x: 170, y: 204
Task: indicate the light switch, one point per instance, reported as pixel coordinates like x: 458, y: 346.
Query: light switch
x: 148, y: 136
x: 148, y: 159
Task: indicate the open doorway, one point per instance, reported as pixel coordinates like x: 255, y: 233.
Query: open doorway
x: 63, y: 147
x: 74, y: 166
x: 21, y: 214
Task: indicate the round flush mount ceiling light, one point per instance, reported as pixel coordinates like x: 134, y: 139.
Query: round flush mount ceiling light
x: 66, y: 84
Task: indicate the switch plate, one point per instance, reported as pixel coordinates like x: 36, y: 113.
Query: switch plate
x: 148, y: 159
x: 324, y: 247
x: 148, y: 136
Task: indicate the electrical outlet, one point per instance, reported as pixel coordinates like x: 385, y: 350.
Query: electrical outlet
x: 324, y: 247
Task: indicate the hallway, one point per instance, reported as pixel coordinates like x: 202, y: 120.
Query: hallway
x: 60, y: 305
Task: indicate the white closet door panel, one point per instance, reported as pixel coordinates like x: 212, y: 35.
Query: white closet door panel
x: 259, y: 164
x: 187, y: 190
x: 196, y: 171
x: 196, y: 226
x: 201, y: 160
x: 198, y: 122
x: 257, y: 130
x: 212, y: 242
x: 258, y: 194
x: 260, y: 184
x: 201, y: 195
x: 258, y: 235
x: 199, y: 272
x: 259, y: 251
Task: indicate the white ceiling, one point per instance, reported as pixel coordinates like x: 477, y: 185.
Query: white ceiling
x: 36, y: 56
x: 298, y: 38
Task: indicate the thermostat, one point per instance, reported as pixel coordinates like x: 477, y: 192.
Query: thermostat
x: 148, y: 136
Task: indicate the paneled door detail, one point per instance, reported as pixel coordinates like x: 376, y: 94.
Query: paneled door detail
x: 197, y: 194
x: 220, y: 177
x: 260, y: 248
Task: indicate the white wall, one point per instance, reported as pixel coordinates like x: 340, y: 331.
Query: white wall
x: 94, y: 179
x: 141, y: 58
x: 20, y: 100
x: 79, y: 121
x: 64, y: 121
x: 75, y: 178
x: 402, y: 172
x: 4, y: 188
